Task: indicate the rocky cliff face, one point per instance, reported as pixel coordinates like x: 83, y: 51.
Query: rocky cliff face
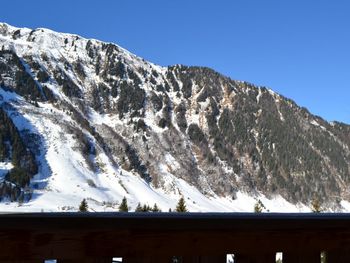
x: 77, y: 108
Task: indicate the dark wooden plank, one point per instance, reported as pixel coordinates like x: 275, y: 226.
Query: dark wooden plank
x: 86, y: 260
x: 338, y: 256
x: 204, y: 259
x: 97, y: 235
x: 254, y: 257
x: 148, y: 259
x: 302, y: 257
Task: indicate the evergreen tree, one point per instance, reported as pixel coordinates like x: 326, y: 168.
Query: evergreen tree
x: 123, y: 207
x: 146, y: 208
x: 156, y: 208
x: 316, y: 205
x: 21, y: 199
x: 83, y: 207
x: 259, y: 207
x: 138, y: 208
x: 181, y: 205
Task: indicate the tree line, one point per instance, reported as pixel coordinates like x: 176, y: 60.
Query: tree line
x: 259, y: 207
x: 124, y: 207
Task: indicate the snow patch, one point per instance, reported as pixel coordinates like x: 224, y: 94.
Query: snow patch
x: 5, y: 167
x: 315, y: 123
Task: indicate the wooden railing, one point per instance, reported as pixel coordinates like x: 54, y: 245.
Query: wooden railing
x: 158, y: 237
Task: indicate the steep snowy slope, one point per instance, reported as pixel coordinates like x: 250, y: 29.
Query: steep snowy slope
x: 102, y: 123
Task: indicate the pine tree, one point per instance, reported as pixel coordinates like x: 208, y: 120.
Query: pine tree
x: 83, y: 207
x: 123, y: 207
x: 138, y: 208
x: 156, y: 208
x: 181, y: 205
x: 316, y: 205
x: 259, y: 207
x: 146, y: 208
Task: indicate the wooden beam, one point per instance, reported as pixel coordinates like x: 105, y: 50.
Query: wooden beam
x: 204, y: 259
x: 85, y: 260
x: 338, y: 256
x: 147, y: 259
x: 254, y: 257
x: 302, y: 257
x: 78, y: 236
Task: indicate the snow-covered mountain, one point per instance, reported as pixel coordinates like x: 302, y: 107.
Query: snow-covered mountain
x: 80, y: 118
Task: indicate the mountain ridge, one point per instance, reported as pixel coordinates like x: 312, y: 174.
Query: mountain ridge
x: 171, y: 131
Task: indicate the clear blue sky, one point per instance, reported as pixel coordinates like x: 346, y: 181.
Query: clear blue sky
x: 299, y: 48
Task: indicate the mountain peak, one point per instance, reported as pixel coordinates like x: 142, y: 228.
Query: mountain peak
x: 97, y: 122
